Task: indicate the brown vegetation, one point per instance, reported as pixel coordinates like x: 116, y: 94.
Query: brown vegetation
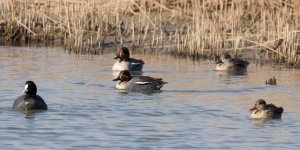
x: 271, y: 81
x: 196, y: 28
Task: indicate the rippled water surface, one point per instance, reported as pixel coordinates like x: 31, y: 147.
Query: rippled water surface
x: 198, y: 109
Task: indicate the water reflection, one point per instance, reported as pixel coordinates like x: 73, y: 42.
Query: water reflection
x: 29, y: 114
x: 151, y: 92
x: 226, y: 73
x: 266, y: 122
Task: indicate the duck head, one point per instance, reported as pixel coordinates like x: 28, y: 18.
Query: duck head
x: 259, y: 105
x: 227, y: 56
x: 30, y: 88
x: 123, y: 54
x: 123, y: 76
x: 222, y: 58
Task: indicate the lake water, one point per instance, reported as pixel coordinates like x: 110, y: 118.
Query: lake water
x: 198, y: 109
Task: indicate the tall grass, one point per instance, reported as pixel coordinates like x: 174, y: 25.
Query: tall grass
x: 195, y: 28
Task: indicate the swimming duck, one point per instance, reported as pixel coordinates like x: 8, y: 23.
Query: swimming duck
x: 232, y: 65
x: 127, y: 63
x: 29, y: 100
x: 262, y: 110
x: 138, y: 83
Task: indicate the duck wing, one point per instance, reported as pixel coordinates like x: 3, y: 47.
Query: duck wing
x: 147, y: 80
x: 277, y: 110
x: 237, y: 61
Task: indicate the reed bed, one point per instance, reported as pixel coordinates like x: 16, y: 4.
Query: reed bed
x: 194, y: 28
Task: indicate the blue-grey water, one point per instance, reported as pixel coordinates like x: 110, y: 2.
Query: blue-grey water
x: 198, y: 109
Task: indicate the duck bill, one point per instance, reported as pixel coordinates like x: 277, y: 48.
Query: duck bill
x: 117, y: 79
x: 25, y: 89
x: 251, y: 109
x: 219, y: 62
x: 117, y: 57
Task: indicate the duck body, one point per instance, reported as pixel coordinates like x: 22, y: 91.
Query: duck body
x: 131, y: 64
x: 232, y: 65
x: 141, y: 83
x: 261, y: 110
x: 138, y: 83
x: 26, y: 102
x: 127, y: 63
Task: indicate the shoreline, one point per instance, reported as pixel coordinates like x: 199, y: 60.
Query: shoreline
x: 269, y: 30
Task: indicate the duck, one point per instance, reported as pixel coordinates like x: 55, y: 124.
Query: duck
x: 29, y: 100
x: 125, y: 62
x: 262, y: 110
x: 232, y: 65
x: 138, y: 83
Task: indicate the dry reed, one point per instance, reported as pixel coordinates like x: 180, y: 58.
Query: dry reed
x: 196, y: 28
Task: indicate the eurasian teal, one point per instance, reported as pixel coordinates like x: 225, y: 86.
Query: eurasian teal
x: 138, y: 83
x: 127, y: 63
x: 262, y: 110
x: 29, y: 100
x: 232, y: 65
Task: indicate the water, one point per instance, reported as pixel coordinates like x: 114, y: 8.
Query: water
x: 198, y: 109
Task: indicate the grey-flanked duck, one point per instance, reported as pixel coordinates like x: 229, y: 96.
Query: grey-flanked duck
x: 127, y: 63
x: 138, y: 83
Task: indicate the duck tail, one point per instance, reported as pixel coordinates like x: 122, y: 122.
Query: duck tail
x: 160, y: 85
x: 238, y: 68
x: 163, y: 82
x: 160, y: 79
x: 279, y: 110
